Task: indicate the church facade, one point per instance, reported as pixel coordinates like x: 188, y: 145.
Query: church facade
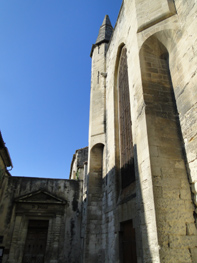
x: 132, y: 193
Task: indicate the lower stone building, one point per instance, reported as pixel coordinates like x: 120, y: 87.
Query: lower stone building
x: 132, y: 193
x: 40, y: 220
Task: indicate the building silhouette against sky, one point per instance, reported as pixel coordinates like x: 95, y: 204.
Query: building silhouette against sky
x: 132, y: 193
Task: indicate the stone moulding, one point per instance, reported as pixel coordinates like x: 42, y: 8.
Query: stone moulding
x: 40, y: 196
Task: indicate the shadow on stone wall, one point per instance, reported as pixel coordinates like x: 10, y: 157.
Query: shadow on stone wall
x: 118, y: 206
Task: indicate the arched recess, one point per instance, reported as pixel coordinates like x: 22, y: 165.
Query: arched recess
x: 94, y: 210
x: 96, y: 162
x: 123, y: 124
x: 182, y: 68
x: 156, y: 79
x: 169, y: 176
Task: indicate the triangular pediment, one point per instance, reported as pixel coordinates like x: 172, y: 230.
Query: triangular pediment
x: 40, y: 196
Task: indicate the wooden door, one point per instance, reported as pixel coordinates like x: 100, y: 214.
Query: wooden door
x: 127, y: 243
x: 35, y: 245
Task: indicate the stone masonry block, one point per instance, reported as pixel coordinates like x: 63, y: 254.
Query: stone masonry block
x: 185, y: 184
x: 157, y: 191
x: 169, y: 205
x: 169, y: 255
x: 185, y: 194
x: 173, y: 172
x: 156, y: 170
x: 189, y: 206
x: 179, y: 215
x: 172, y: 228
x: 170, y: 193
x: 191, y: 229
x: 169, y: 152
x: 172, y: 183
x: 194, y: 254
x: 182, y: 241
x: 163, y: 239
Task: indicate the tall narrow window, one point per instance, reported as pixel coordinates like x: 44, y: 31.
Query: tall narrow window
x: 125, y: 131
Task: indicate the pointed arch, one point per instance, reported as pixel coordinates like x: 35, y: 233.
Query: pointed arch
x: 94, y: 204
x: 96, y: 161
x: 164, y: 138
x: 123, y: 123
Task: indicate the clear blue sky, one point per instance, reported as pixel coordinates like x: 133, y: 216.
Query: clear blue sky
x: 45, y: 72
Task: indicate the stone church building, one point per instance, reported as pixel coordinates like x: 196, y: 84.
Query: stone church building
x: 132, y: 193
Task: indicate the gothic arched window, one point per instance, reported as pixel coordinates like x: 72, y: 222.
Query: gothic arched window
x: 125, y: 124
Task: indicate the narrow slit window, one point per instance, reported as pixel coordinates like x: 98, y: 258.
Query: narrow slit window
x: 98, y: 77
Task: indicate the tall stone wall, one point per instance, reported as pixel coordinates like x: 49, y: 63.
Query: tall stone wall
x: 140, y: 208
x: 170, y: 180
x: 97, y: 101
x: 91, y: 221
x: 183, y: 68
x: 162, y: 90
x: 93, y: 238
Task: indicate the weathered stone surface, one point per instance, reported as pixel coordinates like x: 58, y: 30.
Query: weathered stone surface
x: 54, y: 200
x: 164, y: 202
x: 152, y: 12
x: 159, y: 207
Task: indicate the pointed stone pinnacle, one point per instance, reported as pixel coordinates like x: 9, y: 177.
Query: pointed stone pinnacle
x: 106, y: 21
x: 105, y: 31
